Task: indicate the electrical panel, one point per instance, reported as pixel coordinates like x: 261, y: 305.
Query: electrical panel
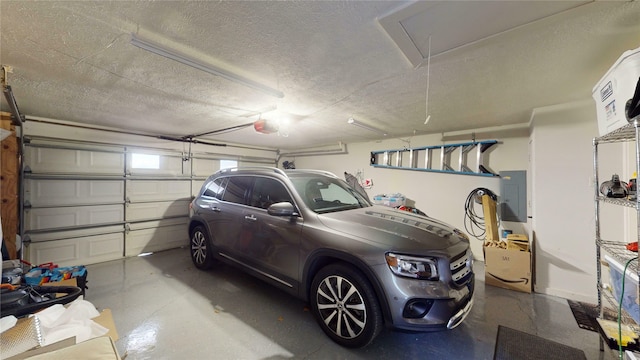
x: 513, y: 196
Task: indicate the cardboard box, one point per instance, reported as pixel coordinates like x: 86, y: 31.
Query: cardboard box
x: 106, y: 319
x: 100, y: 348
x: 518, y: 242
x: 45, y: 349
x: 508, y: 269
x: 517, y: 237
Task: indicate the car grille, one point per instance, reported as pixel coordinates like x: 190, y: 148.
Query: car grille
x: 460, y: 267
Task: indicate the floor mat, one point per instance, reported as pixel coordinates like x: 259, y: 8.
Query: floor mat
x: 513, y: 344
x: 586, y: 314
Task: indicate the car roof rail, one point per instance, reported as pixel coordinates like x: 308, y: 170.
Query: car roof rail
x: 312, y: 171
x: 240, y: 168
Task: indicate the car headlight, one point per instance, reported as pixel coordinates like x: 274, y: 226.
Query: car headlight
x: 414, y: 267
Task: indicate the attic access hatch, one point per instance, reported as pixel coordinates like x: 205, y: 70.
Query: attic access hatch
x: 421, y: 158
x: 454, y: 24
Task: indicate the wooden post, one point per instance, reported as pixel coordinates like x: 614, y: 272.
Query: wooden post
x: 9, y: 177
x: 490, y: 218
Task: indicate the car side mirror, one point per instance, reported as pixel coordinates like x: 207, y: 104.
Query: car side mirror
x: 284, y: 208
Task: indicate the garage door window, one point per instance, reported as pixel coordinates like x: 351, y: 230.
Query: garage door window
x: 145, y: 161
x: 225, y: 164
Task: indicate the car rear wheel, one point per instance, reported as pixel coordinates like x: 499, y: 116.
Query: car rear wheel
x: 201, y: 253
x: 345, y: 305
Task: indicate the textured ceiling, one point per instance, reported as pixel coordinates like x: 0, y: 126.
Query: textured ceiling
x: 332, y: 60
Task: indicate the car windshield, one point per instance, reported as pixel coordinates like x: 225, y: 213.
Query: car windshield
x: 325, y: 194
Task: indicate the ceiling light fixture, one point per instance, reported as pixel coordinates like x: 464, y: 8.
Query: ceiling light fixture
x: 181, y: 58
x: 357, y: 123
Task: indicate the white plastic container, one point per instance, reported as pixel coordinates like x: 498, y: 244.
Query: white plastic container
x: 393, y: 200
x: 630, y: 299
x: 614, y: 90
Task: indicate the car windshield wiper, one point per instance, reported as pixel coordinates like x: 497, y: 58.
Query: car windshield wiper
x: 338, y: 208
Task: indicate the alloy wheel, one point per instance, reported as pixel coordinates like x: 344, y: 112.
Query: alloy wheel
x: 341, y: 307
x: 199, y: 247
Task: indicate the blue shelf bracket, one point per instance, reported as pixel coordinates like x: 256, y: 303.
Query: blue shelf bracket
x: 421, y: 158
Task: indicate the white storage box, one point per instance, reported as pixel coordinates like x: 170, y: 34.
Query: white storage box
x: 614, y: 90
x: 630, y: 300
x: 394, y: 200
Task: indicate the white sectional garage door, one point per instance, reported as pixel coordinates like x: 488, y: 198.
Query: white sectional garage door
x: 87, y: 203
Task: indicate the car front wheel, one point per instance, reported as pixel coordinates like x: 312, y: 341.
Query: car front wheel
x: 345, y: 306
x: 201, y: 252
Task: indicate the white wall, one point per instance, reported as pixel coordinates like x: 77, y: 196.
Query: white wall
x: 439, y: 195
x: 564, y: 190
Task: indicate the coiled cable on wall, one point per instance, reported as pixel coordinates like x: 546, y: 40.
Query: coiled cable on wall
x: 474, y: 222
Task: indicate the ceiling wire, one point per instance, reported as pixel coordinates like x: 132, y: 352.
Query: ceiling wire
x: 428, y: 117
x: 219, y: 131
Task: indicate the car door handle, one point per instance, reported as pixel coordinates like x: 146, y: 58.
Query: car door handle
x: 250, y: 217
x: 214, y: 208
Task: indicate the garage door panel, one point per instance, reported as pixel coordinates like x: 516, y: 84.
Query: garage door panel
x: 158, y: 224
x: 83, y: 250
x: 156, y: 210
x: 158, y: 190
x: 68, y: 234
x: 62, y: 251
x: 197, y: 186
x: 88, y: 202
x: 62, y: 217
x: 156, y: 239
x: 205, y: 167
x: 64, y: 161
x: 50, y: 192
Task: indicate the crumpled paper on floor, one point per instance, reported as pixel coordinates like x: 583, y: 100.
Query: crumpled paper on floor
x: 61, y: 322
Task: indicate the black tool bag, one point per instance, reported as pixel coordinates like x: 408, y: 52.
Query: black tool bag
x: 25, y: 300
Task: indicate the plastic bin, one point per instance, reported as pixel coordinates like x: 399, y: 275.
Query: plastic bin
x: 613, y: 91
x: 394, y: 200
x: 630, y: 299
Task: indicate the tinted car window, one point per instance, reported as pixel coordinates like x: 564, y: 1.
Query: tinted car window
x: 215, y: 188
x: 267, y: 192
x: 237, y: 189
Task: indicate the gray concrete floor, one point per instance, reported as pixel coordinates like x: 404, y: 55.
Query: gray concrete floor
x: 164, y: 308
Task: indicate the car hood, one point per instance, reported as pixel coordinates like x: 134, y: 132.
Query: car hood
x: 397, y: 230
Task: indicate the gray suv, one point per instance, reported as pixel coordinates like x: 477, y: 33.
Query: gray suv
x: 360, y: 266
